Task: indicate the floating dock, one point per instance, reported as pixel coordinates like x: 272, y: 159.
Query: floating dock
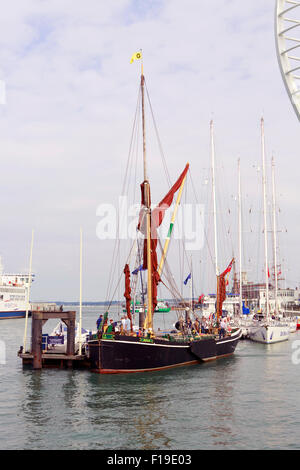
x: 36, y: 358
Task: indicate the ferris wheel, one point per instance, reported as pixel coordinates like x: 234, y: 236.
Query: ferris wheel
x: 287, y: 30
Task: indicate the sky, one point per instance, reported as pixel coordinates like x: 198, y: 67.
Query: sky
x: 71, y: 94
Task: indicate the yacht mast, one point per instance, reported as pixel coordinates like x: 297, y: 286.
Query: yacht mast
x: 214, y: 193
x: 274, y: 234
x: 265, y: 215
x: 28, y: 307
x: 80, y: 293
x: 240, y: 236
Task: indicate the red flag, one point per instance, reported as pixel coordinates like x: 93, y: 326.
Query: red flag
x: 157, y: 216
x: 228, y: 269
x: 159, y: 212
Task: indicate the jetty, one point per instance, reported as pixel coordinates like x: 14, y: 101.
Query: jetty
x: 38, y: 358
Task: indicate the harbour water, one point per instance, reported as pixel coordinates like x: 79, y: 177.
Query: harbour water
x: 247, y: 401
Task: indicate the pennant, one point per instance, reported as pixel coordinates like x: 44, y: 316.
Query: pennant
x: 228, y: 269
x: 189, y: 277
x: 136, y: 56
x: 137, y: 270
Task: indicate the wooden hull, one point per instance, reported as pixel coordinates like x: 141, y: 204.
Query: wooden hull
x: 125, y: 354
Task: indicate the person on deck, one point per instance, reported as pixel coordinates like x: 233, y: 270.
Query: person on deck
x: 122, y: 325
x: 197, y: 326
x: 99, y: 321
x: 111, y: 323
x: 127, y: 324
x: 223, y: 326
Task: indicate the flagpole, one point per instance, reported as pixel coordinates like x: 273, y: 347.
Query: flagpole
x: 28, y: 292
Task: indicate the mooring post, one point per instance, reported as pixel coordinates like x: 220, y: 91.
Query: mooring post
x: 36, y: 339
x: 71, y: 333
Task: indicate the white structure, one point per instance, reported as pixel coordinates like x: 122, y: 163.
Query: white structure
x: 14, y: 290
x: 287, y: 30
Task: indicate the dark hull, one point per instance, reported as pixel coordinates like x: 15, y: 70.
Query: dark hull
x: 128, y: 354
x: 12, y: 314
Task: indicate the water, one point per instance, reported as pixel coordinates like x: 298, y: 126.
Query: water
x: 248, y: 401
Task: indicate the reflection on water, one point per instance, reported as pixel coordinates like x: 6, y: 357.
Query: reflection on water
x: 222, y: 407
x: 134, y: 404
x: 247, y: 401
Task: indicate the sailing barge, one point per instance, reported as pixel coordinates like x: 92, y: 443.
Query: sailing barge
x: 125, y: 354
x: 112, y: 353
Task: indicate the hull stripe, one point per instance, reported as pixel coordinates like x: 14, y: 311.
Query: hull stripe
x: 146, y: 344
x: 132, y: 371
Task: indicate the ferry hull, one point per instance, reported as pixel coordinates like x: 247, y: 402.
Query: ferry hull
x: 127, y: 354
x: 13, y: 314
x: 269, y: 334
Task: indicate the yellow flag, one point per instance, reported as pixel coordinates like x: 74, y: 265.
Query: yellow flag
x: 137, y: 55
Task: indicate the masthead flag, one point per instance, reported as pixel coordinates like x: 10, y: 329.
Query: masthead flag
x: 136, y: 56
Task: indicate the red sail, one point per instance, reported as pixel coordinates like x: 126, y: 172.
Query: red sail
x: 159, y: 212
x: 127, y: 292
x: 221, y: 288
x: 157, y: 216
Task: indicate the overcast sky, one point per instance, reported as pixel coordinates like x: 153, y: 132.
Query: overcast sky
x: 70, y: 101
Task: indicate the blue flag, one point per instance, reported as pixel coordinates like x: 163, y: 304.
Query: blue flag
x: 189, y: 277
x: 246, y: 310
x: 140, y: 268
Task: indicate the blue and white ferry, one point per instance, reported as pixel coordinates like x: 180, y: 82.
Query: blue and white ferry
x: 14, y: 295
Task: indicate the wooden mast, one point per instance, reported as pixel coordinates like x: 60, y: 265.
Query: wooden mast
x: 148, y: 322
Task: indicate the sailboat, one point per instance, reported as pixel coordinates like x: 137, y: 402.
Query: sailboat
x: 149, y: 350
x: 266, y: 330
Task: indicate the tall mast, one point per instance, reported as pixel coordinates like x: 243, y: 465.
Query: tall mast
x: 240, y: 235
x: 265, y: 215
x: 274, y: 232
x: 214, y: 194
x: 80, y: 293
x: 147, y: 204
x: 28, y: 293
